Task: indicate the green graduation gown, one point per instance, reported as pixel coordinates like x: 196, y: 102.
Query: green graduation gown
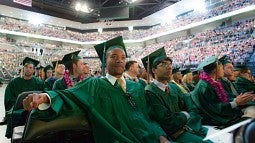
x: 49, y: 82
x: 227, y: 86
x: 112, y: 117
x: 165, y: 108
x: 13, y: 89
x: 59, y: 84
x: 213, y: 111
x: 191, y: 87
x: 244, y: 85
x: 17, y: 86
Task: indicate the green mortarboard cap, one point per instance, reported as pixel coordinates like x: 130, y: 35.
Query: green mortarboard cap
x: 154, y: 58
x: 54, y: 63
x: 175, y: 70
x: 48, y: 67
x: 69, y: 58
x: 241, y: 67
x: 102, y: 49
x: 237, y: 68
x: 40, y: 67
x: 185, y: 71
x: 223, y: 60
x: 195, y: 72
x: 30, y: 61
x: 207, y: 63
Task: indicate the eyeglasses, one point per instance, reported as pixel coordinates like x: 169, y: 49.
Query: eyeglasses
x: 165, y: 64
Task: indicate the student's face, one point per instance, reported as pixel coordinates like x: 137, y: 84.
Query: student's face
x: 49, y: 73
x: 163, y: 70
x: 189, y: 77
x: 86, y: 69
x: 135, y: 68
x: 79, y: 67
x: 61, y: 69
x: 220, y: 71
x: 229, y: 70
x: 115, y: 62
x: 247, y: 75
x: 28, y: 69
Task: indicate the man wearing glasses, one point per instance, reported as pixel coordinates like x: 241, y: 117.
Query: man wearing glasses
x: 168, y: 106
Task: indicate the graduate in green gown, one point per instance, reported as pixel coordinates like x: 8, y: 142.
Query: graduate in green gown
x: 73, y: 74
x: 187, y: 79
x: 58, y: 73
x: 227, y: 78
x: 49, y: 78
x: 211, y: 98
x: 27, y: 82
x: 116, y: 107
x: 195, y: 74
x: 132, y: 71
x: 172, y: 109
x: 177, y: 79
x: 243, y: 82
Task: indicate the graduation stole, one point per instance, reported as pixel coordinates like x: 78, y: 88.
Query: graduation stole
x: 222, y: 95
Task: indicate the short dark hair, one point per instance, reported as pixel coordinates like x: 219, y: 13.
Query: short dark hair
x: 160, y: 61
x: 154, y: 66
x: 129, y: 64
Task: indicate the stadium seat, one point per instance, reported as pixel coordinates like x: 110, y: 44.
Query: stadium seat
x: 249, y: 133
x: 18, y: 117
x: 245, y: 133
x: 73, y: 129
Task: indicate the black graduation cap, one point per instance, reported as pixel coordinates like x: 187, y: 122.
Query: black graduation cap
x: 48, y: 67
x: 223, y: 60
x: 69, y: 58
x: 102, y: 49
x: 30, y: 61
x: 185, y: 71
x: 154, y: 58
x: 208, y: 64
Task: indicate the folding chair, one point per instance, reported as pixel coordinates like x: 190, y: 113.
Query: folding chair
x: 18, y: 118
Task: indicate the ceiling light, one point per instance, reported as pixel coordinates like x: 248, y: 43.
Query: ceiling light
x: 78, y: 6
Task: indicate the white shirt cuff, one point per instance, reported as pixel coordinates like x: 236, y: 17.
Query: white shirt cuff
x: 233, y: 103
x: 45, y: 106
x: 186, y: 114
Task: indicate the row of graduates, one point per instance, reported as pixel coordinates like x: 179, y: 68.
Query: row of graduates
x: 68, y: 72
x: 233, y: 82
x: 121, y: 110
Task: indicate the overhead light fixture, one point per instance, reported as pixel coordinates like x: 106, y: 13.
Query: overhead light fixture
x: 131, y: 1
x: 78, y: 6
x: 83, y: 7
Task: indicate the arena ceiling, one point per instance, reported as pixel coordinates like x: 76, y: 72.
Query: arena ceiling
x: 65, y: 8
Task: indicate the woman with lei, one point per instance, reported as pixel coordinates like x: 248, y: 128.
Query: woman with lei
x: 211, y: 98
x: 73, y: 73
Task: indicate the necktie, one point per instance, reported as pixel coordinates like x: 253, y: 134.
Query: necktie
x: 167, y: 89
x: 122, y: 84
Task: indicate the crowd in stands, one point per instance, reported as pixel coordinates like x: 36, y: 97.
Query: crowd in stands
x: 25, y: 27
x: 235, y: 39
